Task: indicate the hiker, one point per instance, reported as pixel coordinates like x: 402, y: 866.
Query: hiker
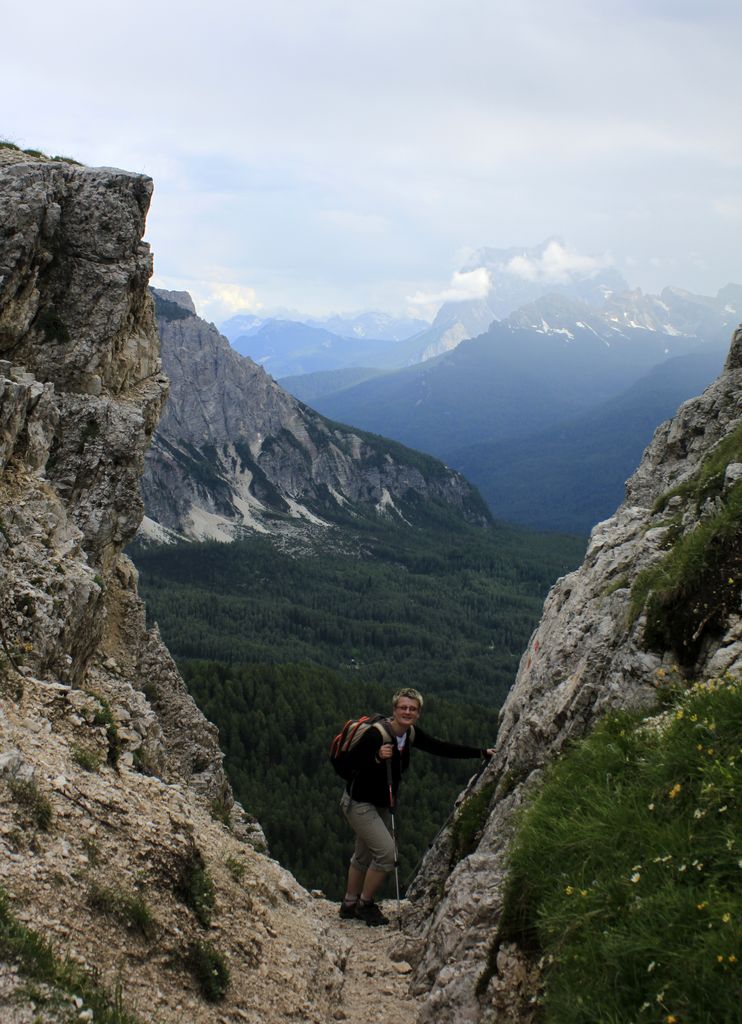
x: 366, y: 800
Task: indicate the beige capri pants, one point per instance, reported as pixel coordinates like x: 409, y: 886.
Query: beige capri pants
x: 372, y: 826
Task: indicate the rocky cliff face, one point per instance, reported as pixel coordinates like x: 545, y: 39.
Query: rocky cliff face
x: 112, y: 791
x: 235, y: 451
x: 600, y: 646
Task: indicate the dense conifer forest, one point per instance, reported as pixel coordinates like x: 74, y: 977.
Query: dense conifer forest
x: 278, y: 648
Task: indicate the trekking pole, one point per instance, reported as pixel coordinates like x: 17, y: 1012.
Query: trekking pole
x: 394, y: 839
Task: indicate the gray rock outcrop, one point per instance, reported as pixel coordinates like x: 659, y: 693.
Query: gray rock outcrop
x: 112, y: 789
x: 81, y: 391
x: 589, y: 655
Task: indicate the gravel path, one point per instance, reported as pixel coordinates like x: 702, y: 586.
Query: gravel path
x: 376, y: 987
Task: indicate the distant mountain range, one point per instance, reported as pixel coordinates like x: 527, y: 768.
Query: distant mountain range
x: 289, y: 344
x: 511, y: 381
x: 516, y: 276
x: 287, y: 347
x: 548, y: 410
x: 558, y: 366
x: 235, y: 452
x: 374, y: 325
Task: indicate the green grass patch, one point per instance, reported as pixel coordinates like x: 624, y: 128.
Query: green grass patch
x: 104, y: 716
x: 87, y: 759
x: 220, y: 811
x: 626, y: 872
x: 92, y: 850
x: 236, y: 868
x: 194, y: 885
x: 708, y: 481
x: 34, y: 810
x: 692, y: 590
x: 209, y: 967
x: 130, y: 909
x: 469, y: 822
x: 36, y: 960
x: 7, y: 144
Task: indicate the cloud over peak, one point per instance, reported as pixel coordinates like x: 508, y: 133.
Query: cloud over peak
x: 464, y: 286
x: 556, y: 265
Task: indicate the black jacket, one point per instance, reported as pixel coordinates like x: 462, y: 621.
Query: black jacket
x: 370, y: 782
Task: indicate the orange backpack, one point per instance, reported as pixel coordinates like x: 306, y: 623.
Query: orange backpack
x: 349, y: 736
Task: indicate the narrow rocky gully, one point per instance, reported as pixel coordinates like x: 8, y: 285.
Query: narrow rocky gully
x: 376, y: 989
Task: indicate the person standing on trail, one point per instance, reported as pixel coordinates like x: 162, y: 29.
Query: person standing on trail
x: 370, y: 795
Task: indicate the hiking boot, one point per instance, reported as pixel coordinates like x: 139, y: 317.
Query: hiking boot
x: 348, y: 910
x: 370, y: 913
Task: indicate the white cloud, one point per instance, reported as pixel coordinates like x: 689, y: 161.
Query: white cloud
x: 331, y: 153
x: 471, y: 284
x: 557, y: 265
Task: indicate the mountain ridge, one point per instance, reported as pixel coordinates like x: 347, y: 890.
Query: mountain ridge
x: 234, y: 451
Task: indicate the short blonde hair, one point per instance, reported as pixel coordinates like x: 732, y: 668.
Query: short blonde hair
x: 410, y: 693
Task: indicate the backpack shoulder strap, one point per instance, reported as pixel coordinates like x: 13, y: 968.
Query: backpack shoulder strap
x: 386, y: 734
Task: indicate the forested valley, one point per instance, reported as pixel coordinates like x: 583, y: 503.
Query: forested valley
x: 280, y: 647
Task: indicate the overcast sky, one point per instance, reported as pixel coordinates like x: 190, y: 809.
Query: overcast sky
x: 339, y: 155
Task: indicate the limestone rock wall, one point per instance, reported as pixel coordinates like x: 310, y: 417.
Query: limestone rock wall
x: 584, y: 659
x: 112, y: 787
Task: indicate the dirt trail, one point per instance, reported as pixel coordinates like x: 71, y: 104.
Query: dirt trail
x: 376, y: 988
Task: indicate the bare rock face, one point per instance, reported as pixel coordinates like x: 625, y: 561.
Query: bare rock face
x: 112, y: 789
x: 235, y: 451
x: 82, y: 390
x: 586, y: 657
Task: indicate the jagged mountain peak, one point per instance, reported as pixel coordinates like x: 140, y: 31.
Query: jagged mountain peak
x: 182, y: 299
x: 234, y: 451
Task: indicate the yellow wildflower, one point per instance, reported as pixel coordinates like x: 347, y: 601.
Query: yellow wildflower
x: 674, y: 791
x: 732, y: 959
x: 726, y: 918
x: 568, y: 890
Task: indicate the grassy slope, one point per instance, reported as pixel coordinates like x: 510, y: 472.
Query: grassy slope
x: 626, y: 876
